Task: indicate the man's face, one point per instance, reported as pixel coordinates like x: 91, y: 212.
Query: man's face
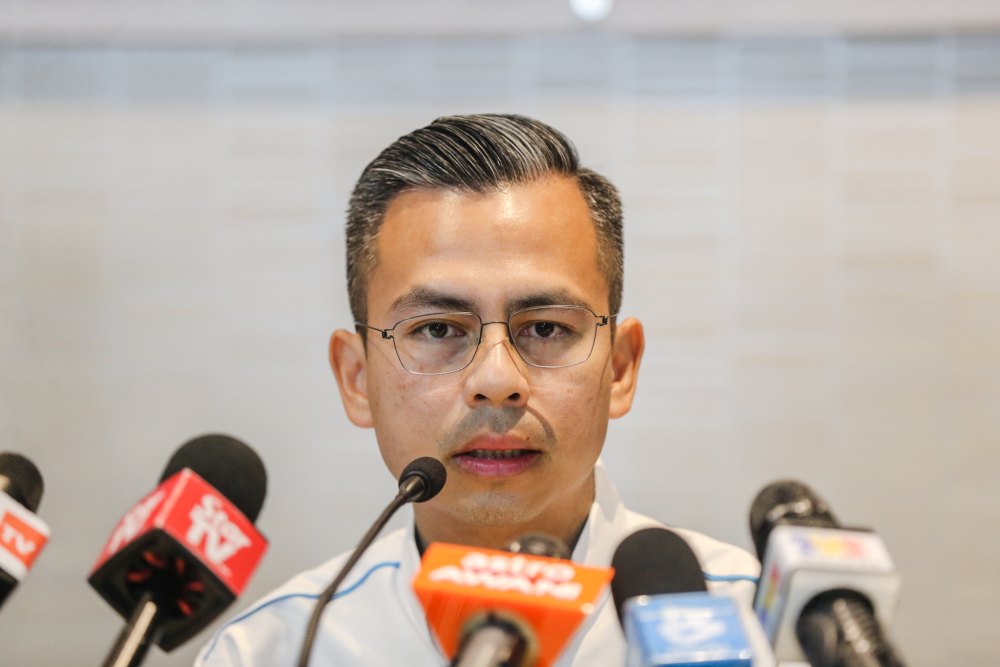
x: 442, y: 250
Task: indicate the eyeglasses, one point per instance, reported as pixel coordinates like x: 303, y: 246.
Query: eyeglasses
x: 544, y: 337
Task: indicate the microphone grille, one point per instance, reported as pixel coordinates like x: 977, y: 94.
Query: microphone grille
x: 787, y: 501
x: 229, y: 465
x: 24, y: 481
x: 654, y: 561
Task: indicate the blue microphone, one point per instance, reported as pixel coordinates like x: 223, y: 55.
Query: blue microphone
x: 668, y: 615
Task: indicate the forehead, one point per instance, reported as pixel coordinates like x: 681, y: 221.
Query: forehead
x: 489, y: 249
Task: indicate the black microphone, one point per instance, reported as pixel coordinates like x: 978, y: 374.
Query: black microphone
x: 654, y: 561
x: 829, y: 587
x: 420, y: 481
x: 22, y: 533
x: 178, y: 558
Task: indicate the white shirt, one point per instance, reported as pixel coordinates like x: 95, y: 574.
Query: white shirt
x: 376, y: 620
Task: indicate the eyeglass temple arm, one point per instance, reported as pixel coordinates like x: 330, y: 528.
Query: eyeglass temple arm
x: 384, y: 332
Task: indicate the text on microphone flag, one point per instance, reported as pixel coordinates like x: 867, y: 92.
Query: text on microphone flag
x: 456, y: 583
x: 193, y: 513
x: 22, y: 537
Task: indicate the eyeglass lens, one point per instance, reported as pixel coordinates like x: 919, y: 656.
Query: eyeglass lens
x: 549, y: 337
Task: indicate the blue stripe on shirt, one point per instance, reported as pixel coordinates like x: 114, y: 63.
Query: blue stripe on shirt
x: 731, y: 577
x: 310, y: 596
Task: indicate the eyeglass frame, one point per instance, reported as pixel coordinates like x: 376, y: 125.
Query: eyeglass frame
x: 604, y: 320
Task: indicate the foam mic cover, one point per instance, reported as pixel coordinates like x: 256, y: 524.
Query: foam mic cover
x: 229, y: 465
x: 22, y: 534
x: 787, y: 502
x: 422, y: 479
x: 550, y: 597
x: 190, y: 545
x: 654, y: 561
x: 21, y: 480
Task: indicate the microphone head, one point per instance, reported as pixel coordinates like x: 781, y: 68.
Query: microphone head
x: 190, y: 543
x: 20, y: 479
x: 429, y: 475
x: 787, y: 501
x: 229, y: 465
x: 654, y: 561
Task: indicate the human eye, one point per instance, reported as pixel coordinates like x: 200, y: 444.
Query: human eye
x: 550, y: 326
x: 433, y: 328
x: 543, y: 329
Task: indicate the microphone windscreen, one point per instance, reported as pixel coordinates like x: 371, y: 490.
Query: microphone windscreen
x: 431, y: 471
x: 654, y: 561
x: 229, y: 465
x: 24, y: 483
x: 787, y: 501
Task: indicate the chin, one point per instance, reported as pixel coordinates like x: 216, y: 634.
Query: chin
x: 499, y: 511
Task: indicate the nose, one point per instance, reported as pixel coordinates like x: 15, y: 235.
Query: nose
x: 496, y: 376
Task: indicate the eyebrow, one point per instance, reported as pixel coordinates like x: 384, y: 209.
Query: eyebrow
x: 558, y: 297
x: 425, y: 297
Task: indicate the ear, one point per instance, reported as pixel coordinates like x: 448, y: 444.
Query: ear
x: 348, y: 361
x: 626, y: 354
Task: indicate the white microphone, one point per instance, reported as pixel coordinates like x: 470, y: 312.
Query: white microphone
x: 826, y: 592
x: 22, y: 533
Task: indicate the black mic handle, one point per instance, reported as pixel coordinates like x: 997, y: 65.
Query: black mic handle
x: 7, y: 586
x: 137, y: 636
x: 839, y: 629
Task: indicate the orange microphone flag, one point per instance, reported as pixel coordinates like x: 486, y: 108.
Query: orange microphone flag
x: 550, y: 596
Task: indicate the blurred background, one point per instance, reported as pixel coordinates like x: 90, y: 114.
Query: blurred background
x: 812, y: 198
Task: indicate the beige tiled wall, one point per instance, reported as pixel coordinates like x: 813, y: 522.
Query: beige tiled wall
x: 812, y: 242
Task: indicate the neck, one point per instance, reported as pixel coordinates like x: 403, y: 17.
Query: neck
x: 495, y: 537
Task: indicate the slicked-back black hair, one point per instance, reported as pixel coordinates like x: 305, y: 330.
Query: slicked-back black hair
x: 479, y: 153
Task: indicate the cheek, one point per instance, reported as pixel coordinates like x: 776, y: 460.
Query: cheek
x: 409, y: 413
x: 579, y: 400
x: 416, y: 397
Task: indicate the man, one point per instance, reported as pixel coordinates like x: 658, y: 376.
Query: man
x: 485, y: 278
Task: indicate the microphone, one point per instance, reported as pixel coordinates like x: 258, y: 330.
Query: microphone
x: 420, y: 481
x: 826, y: 591
x: 185, y: 551
x: 22, y: 534
x: 667, y: 613
x: 496, y: 638
x: 654, y: 561
x: 491, y: 608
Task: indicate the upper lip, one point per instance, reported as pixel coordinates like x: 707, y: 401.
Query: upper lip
x: 495, y: 443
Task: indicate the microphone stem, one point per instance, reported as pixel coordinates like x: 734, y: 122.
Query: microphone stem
x: 404, y: 496
x: 137, y: 636
x: 489, y: 647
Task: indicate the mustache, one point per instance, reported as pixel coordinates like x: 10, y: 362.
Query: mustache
x: 498, y: 421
